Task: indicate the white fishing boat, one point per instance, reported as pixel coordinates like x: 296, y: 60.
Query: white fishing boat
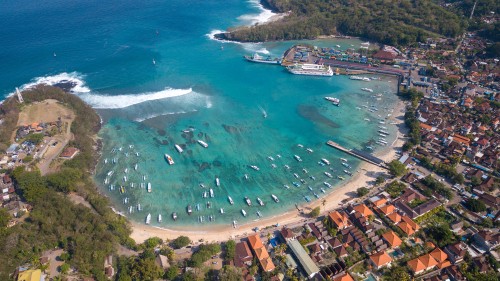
x: 178, y: 147
x: 235, y: 224
x: 230, y: 200
x: 259, y: 214
x: 202, y: 143
x: 204, y: 194
x: 130, y: 209
x: 217, y: 182
x: 248, y: 201
x: 159, y: 218
x: 136, y: 166
x: 309, y: 150
x: 343, y: 159
x: 270, y: 158
x: 126, y: 170
x: 305, y: 171
x: 110, y: 173
x: 323, y: 190
x: 277, y: 155
x: 211, y: 193
x: 287, y: 167
x: 347, y: 172
x: 367, y: 90
x: 106, y: 161
x: 295, y: 175
x: 222, y: 210
x: 286, y: 186
x: 174, y: 216
x: 149, y: 187
x: 325, y: 161
x: 341, y: 178
x: 125, y: 178
x: 255, y: 167
x: 328, y: 174
x: 327, y: 184
x: 243, y: 213
x: 139, y: 208
x: 275, y: 198
x: 300, y: 145
x: 245, y: 176
x: 148, y: 218
x: 260, y: 201
x: 297, y: 158
x: 169, y: 159
x: 273, y: 166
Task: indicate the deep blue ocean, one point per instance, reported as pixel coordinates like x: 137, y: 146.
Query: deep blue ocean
x: 157, y: 78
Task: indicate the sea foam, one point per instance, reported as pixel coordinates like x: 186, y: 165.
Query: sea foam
x: 263, y: 16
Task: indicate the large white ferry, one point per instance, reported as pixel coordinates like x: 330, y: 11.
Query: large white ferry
x: 310, y: 69
x: 169, y: 159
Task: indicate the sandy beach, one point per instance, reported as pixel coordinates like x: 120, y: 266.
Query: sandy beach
x: 365, y: 175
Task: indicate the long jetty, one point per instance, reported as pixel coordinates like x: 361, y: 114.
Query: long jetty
x: 359, y: 154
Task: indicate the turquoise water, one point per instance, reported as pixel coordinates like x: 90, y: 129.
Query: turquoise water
x: 197, y: 85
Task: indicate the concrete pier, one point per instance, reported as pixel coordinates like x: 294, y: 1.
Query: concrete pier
x: 359, y: 154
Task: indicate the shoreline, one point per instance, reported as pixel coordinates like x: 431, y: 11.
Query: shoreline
x: 364, y: 176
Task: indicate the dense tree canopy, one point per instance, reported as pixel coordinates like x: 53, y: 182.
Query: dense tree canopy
x: 391, y: 22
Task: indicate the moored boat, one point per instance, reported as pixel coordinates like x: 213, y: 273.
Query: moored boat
x: 159, y: 218
x: 211, y: 193
x: 256, y: 168
x: 243, y: 213
x: 297, y: 158
x: 310, y: 69
x: 260, y: 201
x: 174, y: 216
x: 178, y: 147
x: 148, y: 218
x: 217, y: 182
x: 275, y: 198
x: 230, y: 200
x: 169, y: 159
x: 248, y: 201
x: 202, y: 143
x: 325, y: 161
x: 149, y: 187
x: 189, y: 210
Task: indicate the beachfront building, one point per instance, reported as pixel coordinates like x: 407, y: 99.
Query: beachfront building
x: 243, y: 256
x: 307, y: 264
x: 31, y: 275
x: 340, y: 220
x: 261, y: 253
x: 345, y: 277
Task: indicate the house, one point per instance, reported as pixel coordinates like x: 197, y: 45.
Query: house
x: 487, y: 240
x: 441, y: 257
x: 363, y: 210
x: 490, y: 200
x: 380, y: 260
x: 387, y: 209
x: 481, y: 264
x: 456, y: 252
x: 287, y: 234
x: 261, y: 253
x: 69, y: 153
x: 392, y: 239
x: 31, y: 275
x: 162, y: 261
x: 341, y: 252
x: 422, y: 264
x: 407, y: 225
x: 242, y: 256
x: 344, y: 277
x: 339, y: 220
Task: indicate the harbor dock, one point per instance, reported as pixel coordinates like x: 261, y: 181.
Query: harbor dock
x: 359, y: 154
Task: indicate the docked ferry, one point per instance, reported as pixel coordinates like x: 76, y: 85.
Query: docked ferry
x: 310, y: 69
x: 169, y: 159
x: 260, y: 59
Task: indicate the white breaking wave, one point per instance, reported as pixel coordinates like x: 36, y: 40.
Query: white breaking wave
x: 122, y: 101
x: 150, y: 116
x: 75, y: 78
x: 263, y: 16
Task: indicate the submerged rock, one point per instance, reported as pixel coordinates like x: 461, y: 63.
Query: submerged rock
x: 217, y: 163
x: 118, y: 127
x: 203, y: 167
x: 162, y: 132
x: 230, y: 129
x: 312, y: 113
